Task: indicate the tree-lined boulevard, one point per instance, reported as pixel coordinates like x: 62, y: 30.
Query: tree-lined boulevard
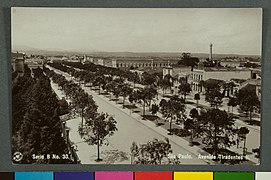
x: 130, y: 129
x: 197, y: 136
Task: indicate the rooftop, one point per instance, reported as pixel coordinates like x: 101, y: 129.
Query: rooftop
x: 222, y: 69
x: 17, y: 55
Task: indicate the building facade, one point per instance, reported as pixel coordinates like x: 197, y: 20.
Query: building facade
x: 33, y: 63
x: 131, y: 62
x: 177, y: 71
x: 197, y: 76
x: 17, y: 62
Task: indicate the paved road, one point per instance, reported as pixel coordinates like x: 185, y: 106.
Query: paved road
x: 253, y: 138
x: 129, y: 130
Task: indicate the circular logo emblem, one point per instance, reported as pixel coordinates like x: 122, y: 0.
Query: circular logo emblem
x: 17, y: 157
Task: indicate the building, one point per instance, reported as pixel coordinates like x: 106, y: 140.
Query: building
x: 17, y: 62
x: 103, y: 61
x: 177, y: 71
x: 57, y: 58
x: 256, y: 73
x: 230, y: 63
x: 224, y: 74
x: 142, y: 62
x: 132, y: 62
x: 33, y: 63
x: 254, y: 84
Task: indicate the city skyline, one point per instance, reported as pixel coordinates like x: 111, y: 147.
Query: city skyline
x: 232, y: 31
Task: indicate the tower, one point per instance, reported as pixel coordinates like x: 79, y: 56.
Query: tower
x: 211, y: 52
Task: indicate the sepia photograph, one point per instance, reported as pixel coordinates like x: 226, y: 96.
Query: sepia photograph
x: 160, y: 86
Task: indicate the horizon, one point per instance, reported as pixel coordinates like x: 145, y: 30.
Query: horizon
x: 140, y: 52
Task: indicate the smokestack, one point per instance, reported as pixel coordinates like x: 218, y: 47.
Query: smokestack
x: 211, y: 52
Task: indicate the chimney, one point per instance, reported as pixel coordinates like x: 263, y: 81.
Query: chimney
x: 211, y: 52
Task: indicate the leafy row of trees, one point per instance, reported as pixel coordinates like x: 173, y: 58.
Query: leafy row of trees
x: 115, y: 85
x: 215, y: 126
x: 144, y: 153
x: 216, y: 90
x: 36, y: 127
x: 90, y: 72
x: 97, y: 126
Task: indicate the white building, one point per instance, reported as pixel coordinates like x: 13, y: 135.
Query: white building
x: 177, y: 71
x: 230, y: 63
x: 224, y: 74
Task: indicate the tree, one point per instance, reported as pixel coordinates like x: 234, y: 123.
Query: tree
x: 188, y: 124
x: 184, y: 89
x: 132, y: 98
x: 154, y: 109
x: 214, y: 97
x: 227, y: 88
x: 163, y: 106
x: 119, y: 80
x: 232, y: 102
x: 107, y: 79
x: 116, y: 93
x: 165, y: 83
x: 212, y: 84
x: 213, y: 94
x: 148, y: 79
x: 197, y: 98
x: 89, y: 78
x: 248, y: 100
x: 187, y: 60
x: 125, y: 90
x: 99, y: 81
x: 146, y: 95
x: 153, y: 152
x: 242, y: 133
x: 82, y: 101
x: 174, y: 107
x: 217, y: 129
x: 95, y: 131
x: 192, y: 124
x: 63, y: 107
x: 110, y: 87
x: 134, y: 77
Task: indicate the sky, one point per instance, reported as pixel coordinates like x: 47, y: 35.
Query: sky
x: 231, y: 31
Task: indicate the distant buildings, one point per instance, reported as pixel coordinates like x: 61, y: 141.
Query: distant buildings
x: 33, y: 63
x: 227, y: 70
x: 19, y: 60
x: 132, y: 62
x: 231, y: 63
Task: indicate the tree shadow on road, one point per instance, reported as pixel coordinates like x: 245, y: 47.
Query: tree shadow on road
x: 113, y: 157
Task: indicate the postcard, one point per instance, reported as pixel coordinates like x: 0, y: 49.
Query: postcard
x: 175, y: 86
